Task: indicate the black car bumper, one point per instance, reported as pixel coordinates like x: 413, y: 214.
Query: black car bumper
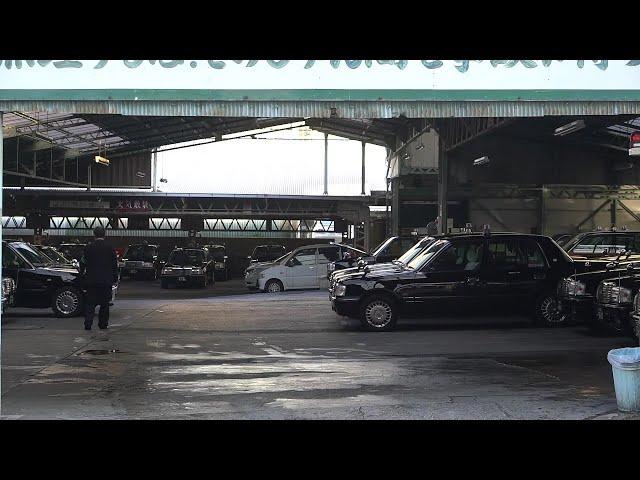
x: 138, y: 271
x: 581, y: 309
x: 347, y: 307
x: 188, y: 280
x: 613, y: 314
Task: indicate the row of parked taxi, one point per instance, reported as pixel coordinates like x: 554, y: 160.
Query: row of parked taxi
x: 593, y: 277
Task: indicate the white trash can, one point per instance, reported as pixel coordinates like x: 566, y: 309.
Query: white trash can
x: 625, y: 363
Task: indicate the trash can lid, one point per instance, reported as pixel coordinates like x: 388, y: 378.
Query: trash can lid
x: 625, y: 357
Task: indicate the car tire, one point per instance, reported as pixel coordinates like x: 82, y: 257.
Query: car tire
x: 164, y: 284
x: 67, y: 302
x: 545, y: 311
x: 379, y: 313
x: 274, y: 286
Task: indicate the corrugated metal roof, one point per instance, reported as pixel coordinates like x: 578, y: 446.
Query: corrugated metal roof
x: 327, y: 109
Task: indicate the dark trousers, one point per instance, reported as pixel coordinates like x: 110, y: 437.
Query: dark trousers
x: 97, y: 296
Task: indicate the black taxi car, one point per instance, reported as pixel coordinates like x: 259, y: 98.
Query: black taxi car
x: 602, y: 243
x: 41, y: 283
x: 577, y: 292
x: 390, y: 249
x: 459, y: 273
x: 221, y: 265
x: 140, y: 261
x: 615, y: 300
x: 405, y: 258
x: 187, y: 266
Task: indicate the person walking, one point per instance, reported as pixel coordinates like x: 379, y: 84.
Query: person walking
x: 99, y: 266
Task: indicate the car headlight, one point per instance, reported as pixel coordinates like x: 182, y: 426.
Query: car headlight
x: 167, y: 270
x: 622, y: 295
x: 339, y: 290
x: 609, y: 292
x: 147, y: 264
x: 572, y: 288
x: 196, y: 271
x: 331, y: 267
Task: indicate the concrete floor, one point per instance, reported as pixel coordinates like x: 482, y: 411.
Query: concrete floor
x: 221, y: 353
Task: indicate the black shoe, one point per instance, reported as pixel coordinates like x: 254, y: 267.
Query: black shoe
x: 104, y: 328
x: 87, y: 328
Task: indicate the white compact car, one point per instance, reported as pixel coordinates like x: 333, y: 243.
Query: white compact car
x: 305, y: 267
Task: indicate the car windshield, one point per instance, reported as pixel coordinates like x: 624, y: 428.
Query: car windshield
x: 217, y: 253
x: 415, y: 250
x: 72, y: 251
x: 380, y: 248
x: 267, y: 253
x: 279, y: 259
x: 573, y: 242
x: 36, y: 258
x: 186, y: 257
x: 54, y: 255
x: 427, y: 254
x: 140, y: 253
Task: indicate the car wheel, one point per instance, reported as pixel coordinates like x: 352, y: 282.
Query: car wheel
x: 274, y: 286
x: 379, y: 313
x: 546, y: 311
x: 67, y: 302
x: 164, y: 284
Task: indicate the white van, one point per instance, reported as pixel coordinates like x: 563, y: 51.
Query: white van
x: 305, y: 267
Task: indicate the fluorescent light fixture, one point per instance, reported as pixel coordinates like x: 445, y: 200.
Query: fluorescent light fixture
x: 102, y: 160
x: 569, y: 128
x: 420, y: 146
x: 141, y: 174
x: 163, y: 180
x: 406, y: 156
x: 480, y: 161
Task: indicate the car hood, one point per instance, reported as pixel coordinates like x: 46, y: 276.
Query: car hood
x: 260, y: 266
x: 376, y: 267
x: 391, y: 271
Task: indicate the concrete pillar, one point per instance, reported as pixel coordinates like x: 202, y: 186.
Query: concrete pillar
x: 326, y: 164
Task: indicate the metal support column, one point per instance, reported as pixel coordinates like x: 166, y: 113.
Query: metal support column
x: 395, y: 206
x: 326, y: 164
x: 362, y: 192
x: 154, y: 171
x: 1, y: 169
x: 442, y: 189
x: 614, y: 207
x: 89, y: 176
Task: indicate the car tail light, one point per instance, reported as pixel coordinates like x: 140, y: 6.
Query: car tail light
x: 635, y: 140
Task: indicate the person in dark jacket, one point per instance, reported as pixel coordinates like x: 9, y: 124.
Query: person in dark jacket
x: 99, y: 266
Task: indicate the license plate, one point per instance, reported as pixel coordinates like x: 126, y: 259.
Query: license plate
x: 182, y: 279
x: 133, y: 271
